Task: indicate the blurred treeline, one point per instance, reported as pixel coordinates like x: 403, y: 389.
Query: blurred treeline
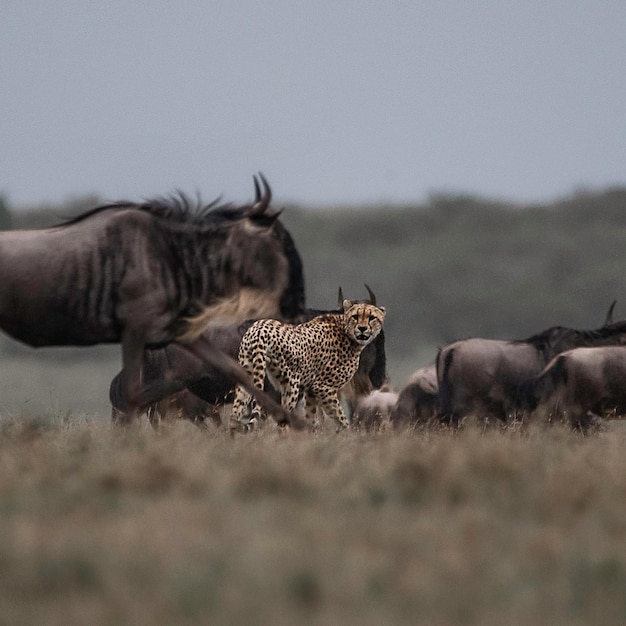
x: 454, y: 266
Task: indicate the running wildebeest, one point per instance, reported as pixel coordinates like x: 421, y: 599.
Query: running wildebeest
x: 202, y: 391
x: 418, y: 399
x: 578, y: 386
x: 145, y: 275
x: 481, y: 376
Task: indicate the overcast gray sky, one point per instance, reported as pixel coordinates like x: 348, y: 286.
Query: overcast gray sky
x: 342, y: 101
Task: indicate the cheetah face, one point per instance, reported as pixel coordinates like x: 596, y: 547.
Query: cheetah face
x: 363, y: 321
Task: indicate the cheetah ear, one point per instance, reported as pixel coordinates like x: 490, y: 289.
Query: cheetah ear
x: 382, y: 308
x: 346, y: 305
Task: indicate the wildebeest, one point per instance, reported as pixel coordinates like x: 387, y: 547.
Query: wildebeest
x: 144, y: 275
x: 202, y: 391
x: 374, y: 410
x: 418, y: 399
x: 481, y: 376
x: 578, y: 387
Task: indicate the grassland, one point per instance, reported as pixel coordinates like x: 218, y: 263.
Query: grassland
x: 99, y: 526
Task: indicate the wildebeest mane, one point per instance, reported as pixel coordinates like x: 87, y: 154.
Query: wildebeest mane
x: 179, y: 208
x: 559, y: 338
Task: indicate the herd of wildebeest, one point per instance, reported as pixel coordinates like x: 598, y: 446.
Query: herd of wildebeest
x: 178, y: 285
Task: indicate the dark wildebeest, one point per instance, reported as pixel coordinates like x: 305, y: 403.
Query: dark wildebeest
x: 418, y: 399
x: 578, y: 387
x: 481, y: 376
x: 202, y: 391
x: 144, y: 275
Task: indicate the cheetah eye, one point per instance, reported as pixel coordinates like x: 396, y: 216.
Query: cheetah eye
x: 355, y: 316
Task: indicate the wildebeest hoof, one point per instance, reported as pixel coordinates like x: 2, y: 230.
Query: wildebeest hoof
x: 248, y: 425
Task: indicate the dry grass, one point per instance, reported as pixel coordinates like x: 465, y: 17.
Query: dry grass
x: 105, y: 527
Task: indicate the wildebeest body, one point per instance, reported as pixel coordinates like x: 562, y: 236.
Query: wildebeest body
x: 86, y: 283
x: 418, y: 400
x: 373, y: 410
x: 482, y: 375
x: 577, y: 386
x: 144, y: 275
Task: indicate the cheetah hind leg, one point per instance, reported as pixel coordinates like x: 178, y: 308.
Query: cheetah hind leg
x: 240, y: 410
x: 246, y: 411
x: 257, y: 414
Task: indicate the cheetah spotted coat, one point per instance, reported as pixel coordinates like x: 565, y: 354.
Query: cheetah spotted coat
x: 313, y: 359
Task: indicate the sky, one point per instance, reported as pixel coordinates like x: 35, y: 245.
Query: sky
x: 336, y: 102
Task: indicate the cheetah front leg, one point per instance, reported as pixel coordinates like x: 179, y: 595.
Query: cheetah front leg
x: 329, y: 401
x: 310, y: 410
x: 290, y: 394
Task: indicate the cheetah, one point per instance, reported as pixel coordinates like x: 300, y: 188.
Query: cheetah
x: 313, y: 359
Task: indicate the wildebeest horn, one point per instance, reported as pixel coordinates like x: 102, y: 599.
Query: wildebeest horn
x: 261, y: 203
x: 340, y: 298
x: 609, y: 315
x: 257, y: 190
x: 371, y: 294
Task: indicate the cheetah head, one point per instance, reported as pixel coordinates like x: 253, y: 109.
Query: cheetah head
x: 364, y: 321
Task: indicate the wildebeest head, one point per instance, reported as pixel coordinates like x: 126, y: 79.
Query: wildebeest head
x: 260, y: 272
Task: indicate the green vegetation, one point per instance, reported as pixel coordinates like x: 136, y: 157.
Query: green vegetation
x: 5, y: 214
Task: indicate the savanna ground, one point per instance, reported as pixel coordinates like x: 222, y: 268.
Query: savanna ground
x: 481, y: 526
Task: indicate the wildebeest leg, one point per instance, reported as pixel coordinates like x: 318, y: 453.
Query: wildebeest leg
x: 585, y: 422
x: 132, y: 362
x: 169, y: 380
x: 183, y: 405
x: 451, y: 419
x: 154, y: 415
x: 204, y: 349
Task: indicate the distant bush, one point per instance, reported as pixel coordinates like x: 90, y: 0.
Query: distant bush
x: 48, y: 215
x: 5, y: 214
